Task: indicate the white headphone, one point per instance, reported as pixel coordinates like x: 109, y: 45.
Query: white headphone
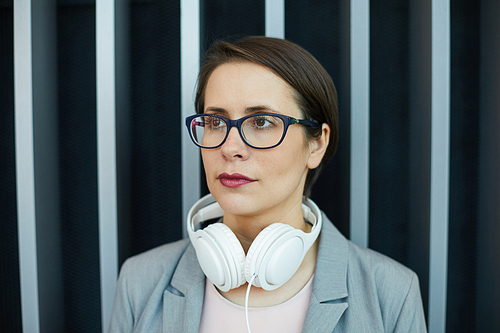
x: 274, y: 256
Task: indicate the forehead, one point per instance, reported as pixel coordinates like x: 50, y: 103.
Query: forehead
x: 238, y: 85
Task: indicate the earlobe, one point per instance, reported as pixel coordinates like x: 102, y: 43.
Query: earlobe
x: 319, y: 148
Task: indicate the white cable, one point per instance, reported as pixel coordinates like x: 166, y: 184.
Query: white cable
x: 246, y: 301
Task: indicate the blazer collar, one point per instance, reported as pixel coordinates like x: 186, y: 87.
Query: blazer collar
x: 329, y: 295
x: 183, y: 297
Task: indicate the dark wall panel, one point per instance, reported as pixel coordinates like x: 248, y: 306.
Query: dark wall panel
x: 10, y: 293
x: 488, y: 247
x: 155, y: 200
x: 78, y: 166
x: 230, y: 20
x: 390, y: 141
x: 318, y: 26
x: 463, y: 220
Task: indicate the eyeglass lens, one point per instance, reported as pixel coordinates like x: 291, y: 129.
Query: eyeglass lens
x: 259, y: 131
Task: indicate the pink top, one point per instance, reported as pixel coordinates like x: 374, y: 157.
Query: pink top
x: 220, y: 315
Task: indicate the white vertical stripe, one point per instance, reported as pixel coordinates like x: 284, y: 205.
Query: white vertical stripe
x: 360, y: 120
x: 190, y: 59
x: 106, y: 154
x: 25, y: 167
x: 275, y: 18
x: 440, y: 154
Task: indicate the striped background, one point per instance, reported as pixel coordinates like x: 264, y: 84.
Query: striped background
x: 96, y: 165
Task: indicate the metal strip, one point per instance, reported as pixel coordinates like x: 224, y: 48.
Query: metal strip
x: 190, y: 59
x: 275, y: 18
x: 106, y: 154
x: 25, y: 165
x: 440, y: 163
x: 360, y: 121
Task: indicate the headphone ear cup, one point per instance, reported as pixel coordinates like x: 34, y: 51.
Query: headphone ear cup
x: 232, y: 254
x: 259, y: 248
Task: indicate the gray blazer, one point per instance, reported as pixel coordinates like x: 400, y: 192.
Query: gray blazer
x: 354, y: 290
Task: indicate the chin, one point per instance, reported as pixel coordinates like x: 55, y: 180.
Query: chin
x: 234, y: 202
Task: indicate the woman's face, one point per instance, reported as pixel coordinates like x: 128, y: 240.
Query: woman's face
x: 247, y: 181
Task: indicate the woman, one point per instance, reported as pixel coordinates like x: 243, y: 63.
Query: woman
x: 267, y: 123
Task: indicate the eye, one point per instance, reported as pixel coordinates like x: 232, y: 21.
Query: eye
x: 263, y: 122
x: 260, y: 122
x: 213, y: 123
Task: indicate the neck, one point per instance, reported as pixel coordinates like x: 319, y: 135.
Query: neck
x: 246, y: 228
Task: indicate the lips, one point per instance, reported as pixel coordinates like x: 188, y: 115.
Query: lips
x: 234, y: 180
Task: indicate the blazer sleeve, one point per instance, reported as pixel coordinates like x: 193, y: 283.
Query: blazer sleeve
x: 122, y: 320
x: 412, y: 318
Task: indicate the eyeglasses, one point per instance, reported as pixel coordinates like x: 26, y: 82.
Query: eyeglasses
x: 260, y: 130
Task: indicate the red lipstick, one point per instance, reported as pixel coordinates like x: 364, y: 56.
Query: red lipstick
x: 234, y: 180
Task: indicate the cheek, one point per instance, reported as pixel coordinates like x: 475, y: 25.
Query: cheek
x: 208, y: 161
x: 286, y: 165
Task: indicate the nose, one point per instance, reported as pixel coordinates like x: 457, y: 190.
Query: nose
x: 234, y: 147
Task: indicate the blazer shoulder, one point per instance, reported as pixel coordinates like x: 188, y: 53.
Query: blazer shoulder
x: 378, y: 266
x: 143, y: 279
x: 159, y: 253
x: 393, y: 287
x: 147, y: 268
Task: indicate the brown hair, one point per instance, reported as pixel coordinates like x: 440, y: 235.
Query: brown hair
x: 313, y: 87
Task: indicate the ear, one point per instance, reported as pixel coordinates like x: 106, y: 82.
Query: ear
x: 318, y: 147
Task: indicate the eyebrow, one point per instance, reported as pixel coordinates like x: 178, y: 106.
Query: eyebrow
x: 248, y: 110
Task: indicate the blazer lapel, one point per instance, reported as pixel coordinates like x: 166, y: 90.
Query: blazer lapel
x: 183, y: 297
x: 329, y: 295
x: 323, y: 317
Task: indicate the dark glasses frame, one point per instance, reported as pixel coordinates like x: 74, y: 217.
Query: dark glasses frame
x: 287, y: 121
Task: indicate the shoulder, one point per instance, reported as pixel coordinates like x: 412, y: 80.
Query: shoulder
x: 386, y: 285
x: 158, y: 258
x: 359, y: 263
x: 142, y: 280
x: 150, y: 266
x: 378, y: 268
x: 380, y: 292
x: 141, y: 274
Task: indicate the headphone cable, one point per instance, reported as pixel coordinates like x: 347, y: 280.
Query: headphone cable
x: 246, y: 301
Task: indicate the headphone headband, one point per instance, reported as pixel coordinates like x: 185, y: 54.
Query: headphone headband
x: 207, y: 208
